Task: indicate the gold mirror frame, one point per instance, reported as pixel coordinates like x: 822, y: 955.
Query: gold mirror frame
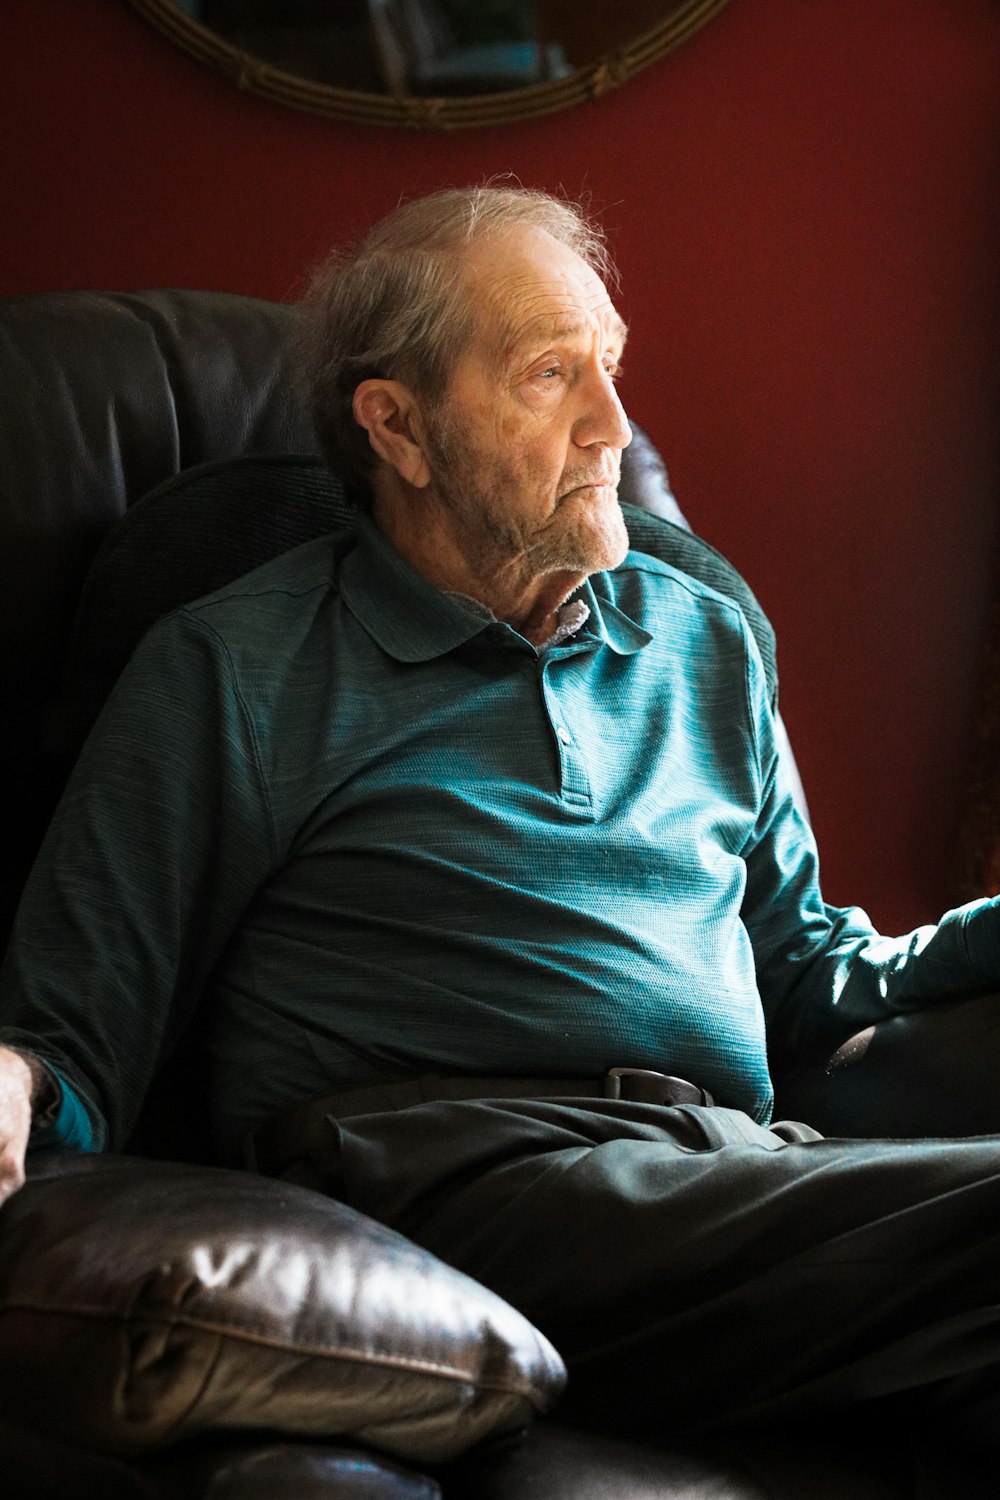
x: 589, y: 83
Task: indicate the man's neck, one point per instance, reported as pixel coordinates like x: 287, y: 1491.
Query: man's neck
x: 528, y: 603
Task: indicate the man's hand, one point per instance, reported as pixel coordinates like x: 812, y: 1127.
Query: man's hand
x: 16, y: 1088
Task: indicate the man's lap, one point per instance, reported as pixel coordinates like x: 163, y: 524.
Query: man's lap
x: 691, y: 1266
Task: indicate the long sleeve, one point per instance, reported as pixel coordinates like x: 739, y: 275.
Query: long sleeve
x: 160, y: 840
x: 823, y: 971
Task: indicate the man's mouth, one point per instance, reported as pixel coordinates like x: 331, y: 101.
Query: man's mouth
x: 600, y: 482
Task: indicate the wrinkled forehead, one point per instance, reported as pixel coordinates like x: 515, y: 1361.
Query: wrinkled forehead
x: 517, y: 331
x: 529, y: 287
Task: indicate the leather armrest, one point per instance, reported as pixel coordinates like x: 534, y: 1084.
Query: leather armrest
x: 932, y: 1072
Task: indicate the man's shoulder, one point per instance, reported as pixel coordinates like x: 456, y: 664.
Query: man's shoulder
x: 670, y: 569
x: 652, y: 582
x: 257, y: 624
x: 665, y: 549
x: 277, y: 600
x: 302, y: 571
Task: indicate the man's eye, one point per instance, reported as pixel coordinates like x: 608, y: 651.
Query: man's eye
x: 550, y: 373
x: 615, y: 370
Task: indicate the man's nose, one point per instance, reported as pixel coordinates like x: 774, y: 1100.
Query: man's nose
x: 603, y: 419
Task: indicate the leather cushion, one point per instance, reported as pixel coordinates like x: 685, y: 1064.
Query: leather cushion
x: 286, y: 1471
x: 557, y: 1463
x: 831, y: 1459
x: 35, y: 1466
x: 142, y: 1303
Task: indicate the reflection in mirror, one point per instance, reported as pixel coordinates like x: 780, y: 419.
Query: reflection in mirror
x: 444, y: 63
x: 437, y: 48
x: 421, y: 47
x: 440, y: 48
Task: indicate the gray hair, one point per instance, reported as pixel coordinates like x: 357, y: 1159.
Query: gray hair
x: 396, y: 306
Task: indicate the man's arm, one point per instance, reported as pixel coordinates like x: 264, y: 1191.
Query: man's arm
x: 155, y: 850
x: 824, y: 972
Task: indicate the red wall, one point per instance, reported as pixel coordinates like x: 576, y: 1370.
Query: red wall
x: 803, y: 203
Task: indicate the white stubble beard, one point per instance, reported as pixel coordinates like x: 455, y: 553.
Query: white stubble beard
x: 476, y: 489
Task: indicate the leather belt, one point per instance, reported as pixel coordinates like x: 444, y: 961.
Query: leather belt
x: 295, y: 1136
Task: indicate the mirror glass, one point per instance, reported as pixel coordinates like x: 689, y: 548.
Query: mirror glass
x: 429, y: 62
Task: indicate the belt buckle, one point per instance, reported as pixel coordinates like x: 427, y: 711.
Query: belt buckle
x: 644, y: 1086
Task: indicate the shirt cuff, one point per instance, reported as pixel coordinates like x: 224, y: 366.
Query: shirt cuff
x: 65, y: 1123
x: 980, y: 929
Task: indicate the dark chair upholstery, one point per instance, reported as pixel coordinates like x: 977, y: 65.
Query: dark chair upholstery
x: 108, y: 398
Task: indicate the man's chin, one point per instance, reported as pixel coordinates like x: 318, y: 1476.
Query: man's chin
x: 596, y: 544
x: 610, y: 537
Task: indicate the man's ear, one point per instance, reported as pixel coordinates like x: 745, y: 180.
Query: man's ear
x: 389, y: 414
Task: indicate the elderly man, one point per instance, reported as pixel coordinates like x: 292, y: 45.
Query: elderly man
x: 472, y: 826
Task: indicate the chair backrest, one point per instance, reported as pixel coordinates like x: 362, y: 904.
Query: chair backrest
x: 105, y: 396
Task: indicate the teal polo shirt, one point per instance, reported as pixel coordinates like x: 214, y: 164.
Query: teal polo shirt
x: 350, y: 829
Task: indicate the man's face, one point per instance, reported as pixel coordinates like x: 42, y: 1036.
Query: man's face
x: 525, y: 446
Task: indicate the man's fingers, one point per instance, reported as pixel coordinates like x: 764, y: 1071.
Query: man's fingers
x: 15, y: 1120
x: 11, y: 1171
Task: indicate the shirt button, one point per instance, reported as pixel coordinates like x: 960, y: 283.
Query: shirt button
x: 563, y: 734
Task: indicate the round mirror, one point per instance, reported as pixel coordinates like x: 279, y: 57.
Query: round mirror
x: 444, y: 64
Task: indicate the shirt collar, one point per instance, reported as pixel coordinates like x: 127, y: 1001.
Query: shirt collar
x: 412, y: 621
x: 612, y: 626
x: 400, y: 609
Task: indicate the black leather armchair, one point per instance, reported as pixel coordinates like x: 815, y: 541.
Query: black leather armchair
x: 174, y: 1330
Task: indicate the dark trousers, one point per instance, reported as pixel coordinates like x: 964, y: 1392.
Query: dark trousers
x: 697, y: 1271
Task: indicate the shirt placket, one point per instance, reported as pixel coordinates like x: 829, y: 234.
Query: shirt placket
x: 574, y: 778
